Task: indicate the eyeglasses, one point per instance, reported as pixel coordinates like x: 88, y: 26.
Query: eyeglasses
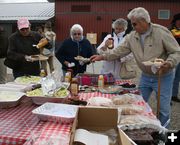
x: 134, y: 24
x: 24, y: 29
x: 77, y: 34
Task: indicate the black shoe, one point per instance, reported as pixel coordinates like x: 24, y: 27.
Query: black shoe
x: 175, y: 99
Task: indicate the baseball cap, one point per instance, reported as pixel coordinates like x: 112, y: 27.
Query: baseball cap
x: 23, y: 23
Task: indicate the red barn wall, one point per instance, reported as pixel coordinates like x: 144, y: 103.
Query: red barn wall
x: 102, y: 13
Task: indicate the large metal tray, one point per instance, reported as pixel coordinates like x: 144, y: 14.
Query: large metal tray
x: 39, y: 100
x: 59, y: 113
x: 12, y: 86
x: 27, y: 80
x: 10, y: 99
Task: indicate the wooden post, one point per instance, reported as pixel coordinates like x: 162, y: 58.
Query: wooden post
x: 159, y: 93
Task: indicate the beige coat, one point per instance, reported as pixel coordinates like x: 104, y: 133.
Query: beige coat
x: 160, y: 43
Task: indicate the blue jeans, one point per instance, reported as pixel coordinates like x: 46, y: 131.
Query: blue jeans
x: 148, y: 84
x: 176, y: 81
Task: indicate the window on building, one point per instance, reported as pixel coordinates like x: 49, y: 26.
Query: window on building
x: 80, y: 8
x: 164, y: 14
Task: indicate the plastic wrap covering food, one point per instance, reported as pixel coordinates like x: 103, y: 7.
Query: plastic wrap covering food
x: 131, y: 109
x: 111, y: 90
x: 99, y: 101
x: 126, y: 99
x: 60, y: 113
x: 39, y: 98
x: 48, y: 86
x: 57, y: 76
x: 10, y: 99
x: 50, y: 90
x: 130, y: 122
x: 52, y: 87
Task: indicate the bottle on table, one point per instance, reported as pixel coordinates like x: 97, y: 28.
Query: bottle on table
x: 111, y: 45
x: 74, y: 87
x: 67, y: 77
x: 101, y: 81
x: 70, y: 71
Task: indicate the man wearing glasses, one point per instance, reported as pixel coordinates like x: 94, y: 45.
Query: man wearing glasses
x: 147, y: 43
x: 21, y: 47
x: 76, y: 45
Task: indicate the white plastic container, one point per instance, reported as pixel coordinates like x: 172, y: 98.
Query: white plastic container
x: 10, y: 99
x: 59, y: 113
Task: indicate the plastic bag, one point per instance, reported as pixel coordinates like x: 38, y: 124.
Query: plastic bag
x: 48, y: 86
x: 140, y: 121
x: 126, y: 99
x: 99, y: 101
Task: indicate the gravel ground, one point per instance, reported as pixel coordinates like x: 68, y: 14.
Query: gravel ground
x: 175, y: 110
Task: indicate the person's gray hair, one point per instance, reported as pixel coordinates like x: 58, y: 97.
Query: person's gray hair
x: 76, y: 27
x: 120, y: 22
x: 139, y: 13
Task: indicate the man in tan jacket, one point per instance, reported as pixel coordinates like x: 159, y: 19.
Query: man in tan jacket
x: 147, y: 43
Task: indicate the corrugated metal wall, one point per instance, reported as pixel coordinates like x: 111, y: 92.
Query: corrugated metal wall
x: 101, y: 14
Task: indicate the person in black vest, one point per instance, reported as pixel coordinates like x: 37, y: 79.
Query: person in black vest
x: 3, y: 54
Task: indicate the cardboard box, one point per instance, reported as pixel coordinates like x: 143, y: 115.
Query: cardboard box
x: 92, y: 37
x: 99, y: 120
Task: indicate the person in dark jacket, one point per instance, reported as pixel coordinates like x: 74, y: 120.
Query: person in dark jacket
x: 3, y: 53
x: 175, y: 29
x: 76, y: 45
x: 21, y: 47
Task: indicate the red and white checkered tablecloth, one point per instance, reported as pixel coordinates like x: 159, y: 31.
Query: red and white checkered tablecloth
x: 52, y: 134
x: 86, y: 96
x: 19, y: 126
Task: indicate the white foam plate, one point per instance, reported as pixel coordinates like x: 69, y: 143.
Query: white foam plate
x: 148, y: 63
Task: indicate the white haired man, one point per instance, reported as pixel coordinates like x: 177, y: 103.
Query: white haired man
x: 148, y: 42
x: 76, y: 45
